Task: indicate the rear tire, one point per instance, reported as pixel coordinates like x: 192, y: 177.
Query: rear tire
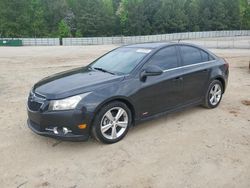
x: 112, y: 122
x: 213, y: 95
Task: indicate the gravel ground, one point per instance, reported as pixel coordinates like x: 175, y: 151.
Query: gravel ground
x: 193, y: 148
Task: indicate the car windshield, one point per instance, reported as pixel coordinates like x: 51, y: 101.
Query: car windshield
x: 120, y: 61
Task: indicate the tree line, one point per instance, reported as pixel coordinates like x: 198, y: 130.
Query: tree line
x: 84, y: 18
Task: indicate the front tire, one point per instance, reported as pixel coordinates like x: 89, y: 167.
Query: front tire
x: 112, y: 122
x: 214, y: 94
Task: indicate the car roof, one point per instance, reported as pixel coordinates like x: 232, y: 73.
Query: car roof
x: 158, y: 45
x: 152, y: 45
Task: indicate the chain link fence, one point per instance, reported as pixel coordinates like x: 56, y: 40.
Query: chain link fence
x: 209, y: 39
x: 237, y: 42
x: 36, y: 41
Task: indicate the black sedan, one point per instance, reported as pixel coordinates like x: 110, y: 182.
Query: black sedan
x: 127, y: 85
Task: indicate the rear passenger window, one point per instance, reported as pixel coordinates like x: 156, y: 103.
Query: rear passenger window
x: 205, y: 56
x: 165, y: 58
x: 190, y: 55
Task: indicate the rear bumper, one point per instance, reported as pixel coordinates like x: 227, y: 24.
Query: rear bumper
x: 67, y: 137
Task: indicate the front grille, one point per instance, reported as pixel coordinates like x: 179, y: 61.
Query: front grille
x: 35, y: 101
x: 34, y: 106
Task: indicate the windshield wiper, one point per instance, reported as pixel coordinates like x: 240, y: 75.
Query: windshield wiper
x: 103, y: 70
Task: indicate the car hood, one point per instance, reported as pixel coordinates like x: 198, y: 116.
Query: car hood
x: 73, y: 82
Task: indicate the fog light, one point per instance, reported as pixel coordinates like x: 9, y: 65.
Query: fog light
x: 55, y: 130
x: 66, y: 130
x: 82, y: 126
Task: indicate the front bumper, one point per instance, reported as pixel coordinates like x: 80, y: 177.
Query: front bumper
x: 63, y: 125
x: 67, y: 137
x: 43, y: 123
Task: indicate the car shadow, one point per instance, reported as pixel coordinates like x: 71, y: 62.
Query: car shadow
x: 166, y: 118
x: 134, y: 130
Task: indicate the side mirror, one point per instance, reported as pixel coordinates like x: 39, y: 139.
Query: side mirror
x: 151, y: 70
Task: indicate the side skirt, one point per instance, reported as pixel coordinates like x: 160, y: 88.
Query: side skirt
x: 176, y: 109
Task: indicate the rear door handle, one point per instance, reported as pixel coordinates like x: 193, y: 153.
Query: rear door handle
x: 205, y: 70
x: 178, y: 78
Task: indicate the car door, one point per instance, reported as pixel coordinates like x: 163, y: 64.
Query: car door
x: 194, y: 71
x: 162, y: 92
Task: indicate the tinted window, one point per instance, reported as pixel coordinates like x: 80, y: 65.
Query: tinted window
x: 165, y: 58
x: 190, y: 55
x: 122, y: 60
x: 205, y: 56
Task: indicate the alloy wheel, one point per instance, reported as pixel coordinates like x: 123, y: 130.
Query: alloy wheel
x: 114, y: 123
x: 215, y: 94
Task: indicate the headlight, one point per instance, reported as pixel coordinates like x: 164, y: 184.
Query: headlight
x: 67, y: 103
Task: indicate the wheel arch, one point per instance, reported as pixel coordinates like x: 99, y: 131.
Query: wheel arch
x: 120, y: 99
x: 221, y: 79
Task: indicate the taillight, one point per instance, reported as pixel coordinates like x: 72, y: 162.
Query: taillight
x: 226, y: 63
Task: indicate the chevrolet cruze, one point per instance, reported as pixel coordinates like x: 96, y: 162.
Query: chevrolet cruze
x: 123, y: 87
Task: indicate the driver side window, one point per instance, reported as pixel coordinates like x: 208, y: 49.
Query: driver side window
x: 165, y: 58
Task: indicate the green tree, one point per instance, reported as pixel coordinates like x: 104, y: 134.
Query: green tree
x: 245, y: 14
x: 232, y: 14
x: 36, y: 19
x: 133, y: 18
x: 63, y: 29
x: 122, y: 14
x: 55, y: 11
x: 171, y: 17
x: 93, y: 17
x: 246, y: 18
x: 192, y: 12
x: 14, y: 18
x: 42, y: 18
x: 109, y: 18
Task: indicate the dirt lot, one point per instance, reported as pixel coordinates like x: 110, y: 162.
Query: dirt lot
x: 193, y: 148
